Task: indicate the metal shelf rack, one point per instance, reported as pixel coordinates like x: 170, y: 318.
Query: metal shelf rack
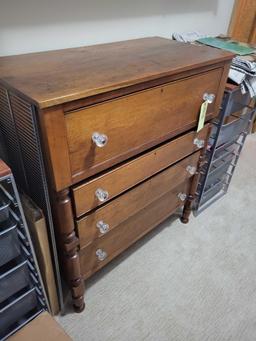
x: 224, y: 147
x: 22, y: 295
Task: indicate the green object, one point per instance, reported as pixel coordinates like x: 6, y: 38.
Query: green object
x: 229, y: 45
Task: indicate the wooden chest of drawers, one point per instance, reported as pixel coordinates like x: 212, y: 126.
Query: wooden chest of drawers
x: 118, y: 128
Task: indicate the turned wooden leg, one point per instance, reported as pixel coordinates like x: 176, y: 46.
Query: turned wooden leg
x: 68, y: 244
x: 194, y: 183
x: 190, y: 198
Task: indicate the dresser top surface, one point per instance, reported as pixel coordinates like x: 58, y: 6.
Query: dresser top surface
x: 56, y: 77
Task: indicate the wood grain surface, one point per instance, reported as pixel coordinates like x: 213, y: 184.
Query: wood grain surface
x: 242, y: 25
x: 140, y: 93
x: 128, y: 174
x: 131, y: 230
x: 126, y: 205
x: 56, y: 77
x: 136, y: 122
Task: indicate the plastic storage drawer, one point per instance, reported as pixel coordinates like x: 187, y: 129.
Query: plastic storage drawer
x: 234, y: 100
x: 17, y: 309
x: 232, y: 128
x: 4, y: 208
x: 223, y: 151
x: 9, y: 241
x: 219, y: 169
x: 14, y: 280
x: 212, y: 191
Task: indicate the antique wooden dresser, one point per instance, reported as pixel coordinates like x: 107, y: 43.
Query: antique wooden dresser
x: 118, y: 125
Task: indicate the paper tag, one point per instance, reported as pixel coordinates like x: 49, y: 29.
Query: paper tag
x: 202, y: 115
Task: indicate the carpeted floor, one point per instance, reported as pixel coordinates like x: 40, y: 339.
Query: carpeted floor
x: 182, y: 282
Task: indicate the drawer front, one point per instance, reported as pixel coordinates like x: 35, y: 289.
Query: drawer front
x: 105, y: 218
x: 14, y: 280
x: 136, y: 122
x: 17, y: 310
x: 131, y: 173
x: 97, y: 254
x: 9, y: 244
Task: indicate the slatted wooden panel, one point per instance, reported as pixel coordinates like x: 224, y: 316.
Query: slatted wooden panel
x: 8, y: 130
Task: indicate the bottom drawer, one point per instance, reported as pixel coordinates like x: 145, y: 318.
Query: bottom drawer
x: 103, y: 250
x: 17, y: 309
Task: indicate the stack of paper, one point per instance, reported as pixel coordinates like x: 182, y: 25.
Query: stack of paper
x: 187, y: 37
x: 243, y: 72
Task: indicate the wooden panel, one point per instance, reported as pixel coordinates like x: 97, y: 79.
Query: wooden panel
x: 42, y: 327
x: 56, y: 77
x: 106, y: 96
x: 132, y: 172
x: 243, y: 21
x: 129, y: 203
x: 131, y: 230
x: 136, y: 122
x: 54, y: 136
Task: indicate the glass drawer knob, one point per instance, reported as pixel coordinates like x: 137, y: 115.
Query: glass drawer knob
x: 191, y: 170
x: 101, y: 255
x: 101, y: 194
x: 208, y: 97
x: 199, y: 143
x: 99, y: 139
x: 103, y: 227
x: 182, y: 196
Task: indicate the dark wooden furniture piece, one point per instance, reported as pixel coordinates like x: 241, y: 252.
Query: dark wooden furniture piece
x: 118, y: 126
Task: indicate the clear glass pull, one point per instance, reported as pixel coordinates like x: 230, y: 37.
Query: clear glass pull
x: 101, y: 255
x: 199, y: 143
x: 101, y: 194
x: 99, y: 139
x: 191, y: 170
x: 103, y: 227
x: 182, y: 196
x: 209, y: 97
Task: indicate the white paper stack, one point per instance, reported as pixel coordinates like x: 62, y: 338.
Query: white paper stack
x: 242, y: 70
x: 187, y: 37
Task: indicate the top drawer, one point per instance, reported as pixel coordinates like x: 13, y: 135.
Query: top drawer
x: 136, y: 122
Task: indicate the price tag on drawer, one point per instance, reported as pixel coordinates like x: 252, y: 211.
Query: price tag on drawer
x: 202, y: 115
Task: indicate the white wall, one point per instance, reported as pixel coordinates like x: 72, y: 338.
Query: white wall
x: 36, y: 25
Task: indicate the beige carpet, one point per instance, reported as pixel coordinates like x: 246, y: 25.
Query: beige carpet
x: 182, y: 282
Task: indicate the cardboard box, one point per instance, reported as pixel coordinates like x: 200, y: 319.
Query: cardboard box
x: 42, y: 328
x: 38, y: 231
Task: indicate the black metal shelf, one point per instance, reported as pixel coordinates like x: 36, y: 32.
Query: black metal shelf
x: 22, y: 294
x: 224, y: 147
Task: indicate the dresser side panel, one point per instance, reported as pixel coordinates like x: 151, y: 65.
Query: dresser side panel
x: 54, y: 137
x: 222, y: 84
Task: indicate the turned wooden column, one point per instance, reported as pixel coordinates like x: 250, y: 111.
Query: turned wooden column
x: 69, y: 245
x: 194, y: 183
